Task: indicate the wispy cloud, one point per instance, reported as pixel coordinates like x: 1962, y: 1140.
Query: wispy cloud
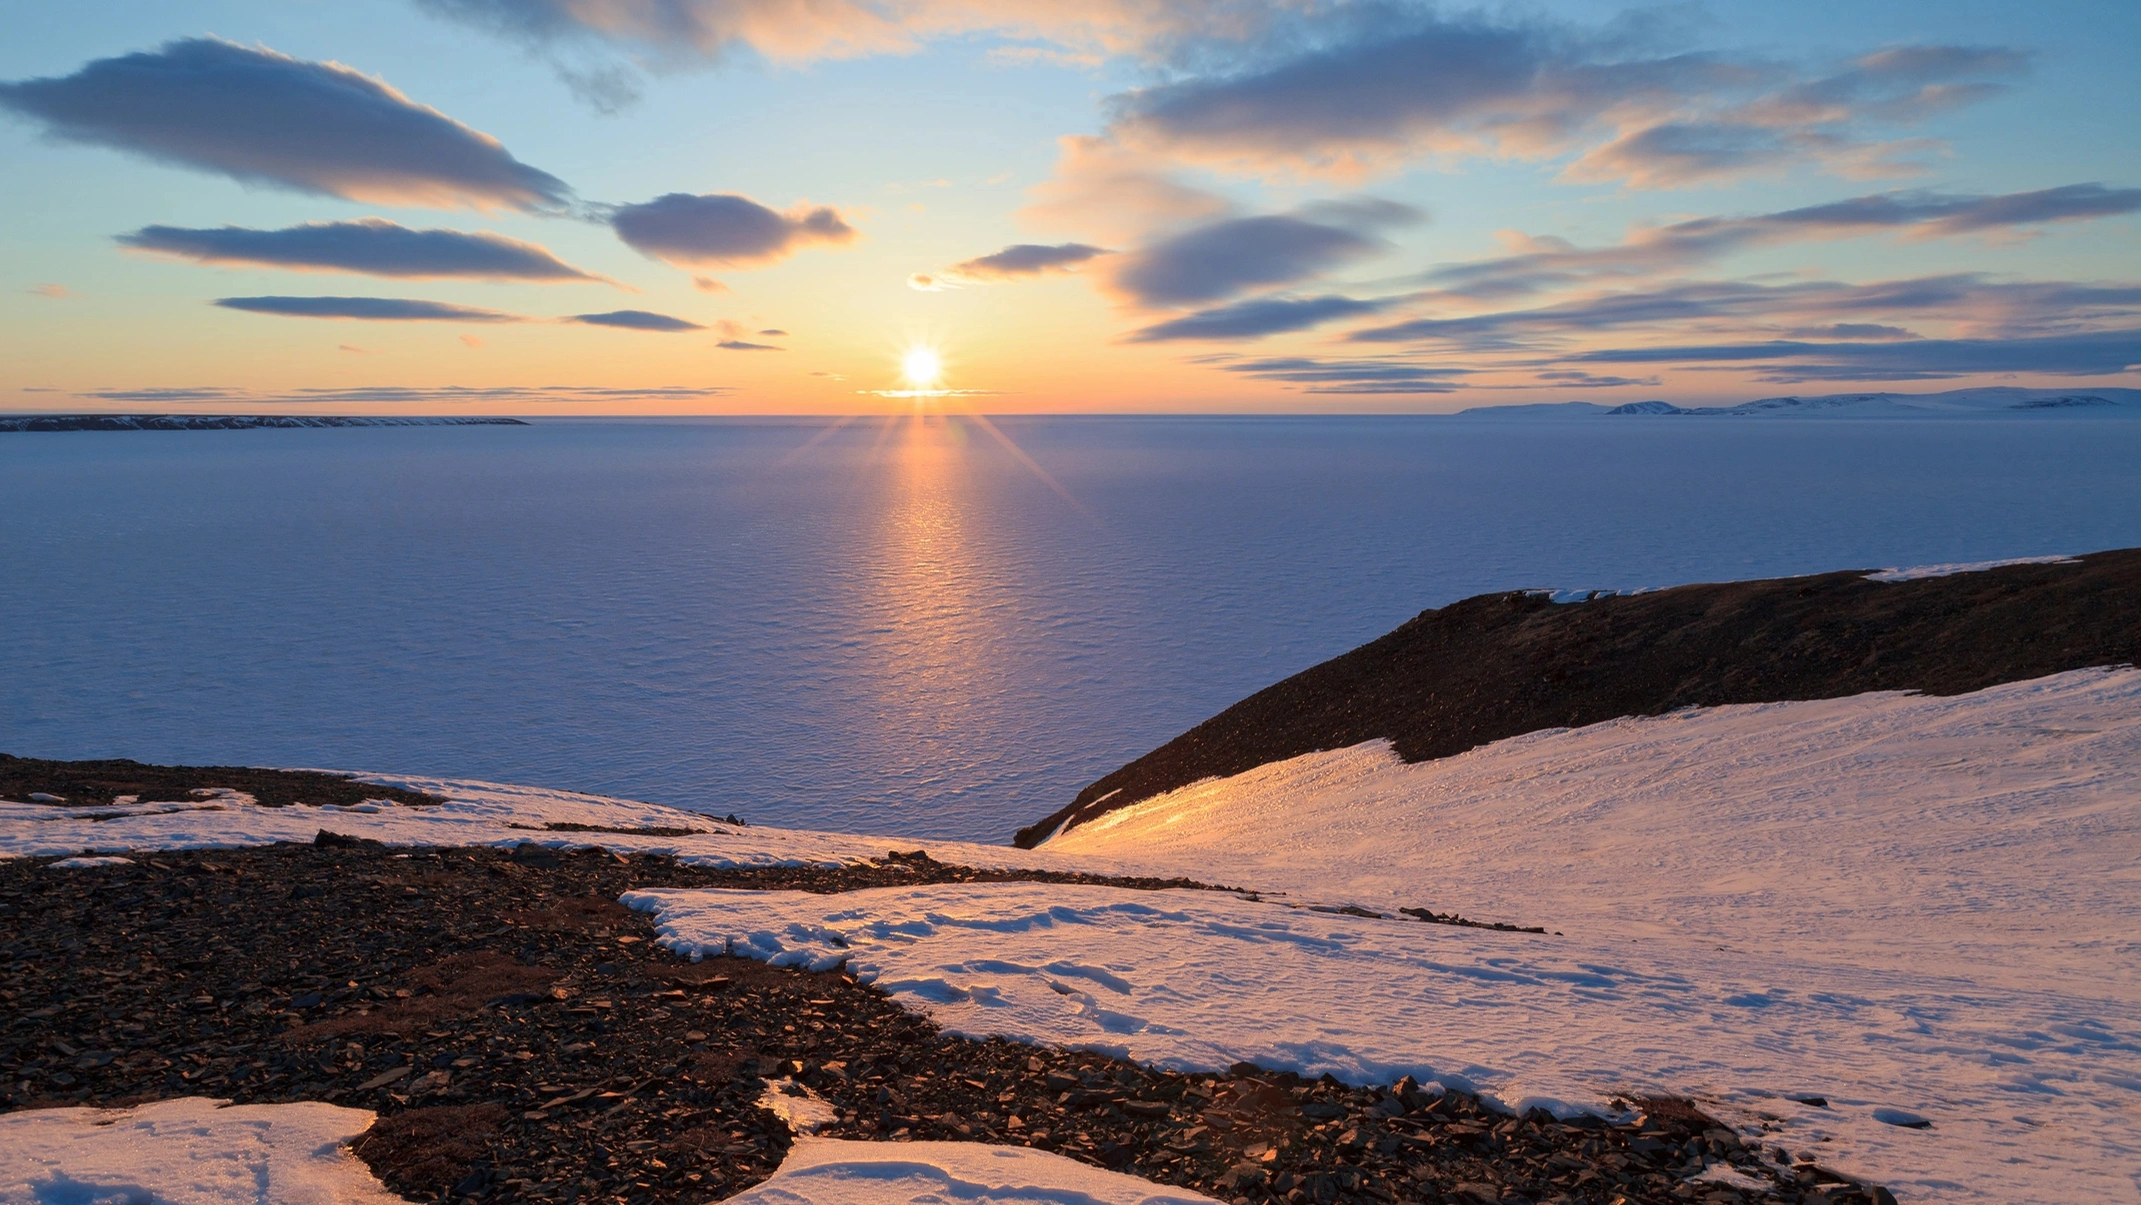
x: 635, y: 320
x: 368, y: 246
x: 1538, y: 264
x: 1235, y: 255
x: 724, y: 230
x: 2095, y: 353
x: 369, y: 309
x: 1257, y: 318
x: 1314, y: 375
x: 1394, y: 84
x: 2018, y: 308
x: 182, y: 394
x: 790, y: 31
x: 261, y: 117
x: 413, y: 394
x: 1024, y: 259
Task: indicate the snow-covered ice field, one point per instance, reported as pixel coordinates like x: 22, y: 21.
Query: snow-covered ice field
x: 1918, y: 908
x: 894, y: 630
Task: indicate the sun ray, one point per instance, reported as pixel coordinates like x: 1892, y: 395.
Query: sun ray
x: 1033, y: 466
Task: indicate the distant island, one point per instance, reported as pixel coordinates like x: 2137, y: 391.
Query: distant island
x: 2113, y: 402
x: 233, y: 422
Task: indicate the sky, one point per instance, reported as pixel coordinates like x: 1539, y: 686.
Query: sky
x: 768, y: 206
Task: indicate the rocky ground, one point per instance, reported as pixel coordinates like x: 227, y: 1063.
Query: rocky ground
x: 103, y: 783
x: 524, y: 1039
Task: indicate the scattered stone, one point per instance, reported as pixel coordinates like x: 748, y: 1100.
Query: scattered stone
x: 102, y: 783
x: 519, y: 1051
x: 1451, y: 918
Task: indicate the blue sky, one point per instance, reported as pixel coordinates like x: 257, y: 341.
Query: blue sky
x: 761, y: 205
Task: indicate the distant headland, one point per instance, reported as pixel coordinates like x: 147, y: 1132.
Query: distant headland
x: 233, y: 422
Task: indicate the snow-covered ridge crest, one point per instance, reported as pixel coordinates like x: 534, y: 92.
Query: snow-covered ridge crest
x: 475, y: 814
x: 1907, y: 573
x: 1920, y: 572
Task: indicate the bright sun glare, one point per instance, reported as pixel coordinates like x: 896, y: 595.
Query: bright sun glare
x: 921, y: 367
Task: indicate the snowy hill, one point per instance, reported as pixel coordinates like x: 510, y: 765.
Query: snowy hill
x: 2111, y: 402
x: 1500, y: 665
x: 2094, y: 402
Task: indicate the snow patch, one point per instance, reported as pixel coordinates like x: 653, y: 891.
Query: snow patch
x: 188, y: 1151
x: 475, y: 814
x: 827, y: 1171
x: 804, y: 1111
x: 1921, y: 572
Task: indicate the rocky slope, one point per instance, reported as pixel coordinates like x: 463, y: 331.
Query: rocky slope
x: 1501, y: 665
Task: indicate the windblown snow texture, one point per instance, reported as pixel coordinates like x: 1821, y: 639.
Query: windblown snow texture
x: 828, y: 1171
x: 187, y: 1151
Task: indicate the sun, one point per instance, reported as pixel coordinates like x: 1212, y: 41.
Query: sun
x: 921, y: 366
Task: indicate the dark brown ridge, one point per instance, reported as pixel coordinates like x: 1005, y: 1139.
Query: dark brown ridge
x: 1501, y: 665
x: 96, y: 783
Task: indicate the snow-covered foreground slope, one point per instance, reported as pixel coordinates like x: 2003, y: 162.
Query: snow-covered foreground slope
x: 1915, y: 907
x: 1918, y: 908
x: 1995, y: 834
x: 2031, y: 1092
x: 188, y: 1151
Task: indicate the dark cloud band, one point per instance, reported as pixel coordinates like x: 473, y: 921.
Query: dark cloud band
x: 1235, y: 255
x: 370, y: 246
x: 1351, y: 376
x: 1022, y: 260
x: 1397, y: 84
x: 2097, y: 353
x: 1256, y: 319
x: 266, y: 118
x: 338, y: 396
x: 368, y: 309
x: 636, y: 320
x: 724, y: 230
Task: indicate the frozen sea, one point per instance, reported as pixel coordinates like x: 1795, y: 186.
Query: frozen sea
x: 941, y: 628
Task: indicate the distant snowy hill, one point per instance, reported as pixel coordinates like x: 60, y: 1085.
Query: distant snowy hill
x: 2002, y: 400
x: 1537, y: 410
x: 233, y: 422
